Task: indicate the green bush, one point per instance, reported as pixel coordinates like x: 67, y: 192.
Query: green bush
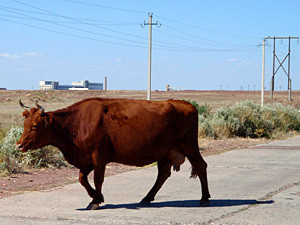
x: 13, y: 161
x: 205, y: 128
x: 224, y: 123
x: 203, y: 110
x: 45, y: 157
x: 248, y: 119
x: 10, y: 157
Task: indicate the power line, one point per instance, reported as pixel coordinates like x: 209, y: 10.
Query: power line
x: 70, y: 27
x: 166, y: 45
x: 231, y: 34
x: 93, y: 39
x: 202, y: 28
x: 72, y: 35
x: 77, y: 20
x: 135, y: 11
x: 204, y: 43
x: 170, y: 46
x: 105, y: 7
x: 195, y: 36
x: 103, y: 22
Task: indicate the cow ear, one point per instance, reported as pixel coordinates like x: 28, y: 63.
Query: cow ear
x: 25, y: 114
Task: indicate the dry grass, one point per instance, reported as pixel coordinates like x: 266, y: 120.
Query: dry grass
x: 10, y: 111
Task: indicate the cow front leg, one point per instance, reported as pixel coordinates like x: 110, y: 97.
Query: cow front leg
x: 83, y: 179
x: 98, y: 181
x: 164, y: 171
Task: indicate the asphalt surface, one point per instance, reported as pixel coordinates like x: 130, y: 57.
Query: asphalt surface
x: 260, y: 185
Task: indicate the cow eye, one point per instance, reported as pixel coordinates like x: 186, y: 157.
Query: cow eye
x: 34, y: 127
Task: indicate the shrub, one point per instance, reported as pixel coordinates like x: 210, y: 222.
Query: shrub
x: 12, y: 160
x: 205, y: 129
x: 10, y: 157
x: 45, y: 157
x: 248, y: 119
x: 224, y: 123
x: 203, y: 110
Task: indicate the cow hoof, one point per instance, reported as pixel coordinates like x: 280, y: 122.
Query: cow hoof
x: 204, y: 203
x: 144, y: 203
x: 92, y: 206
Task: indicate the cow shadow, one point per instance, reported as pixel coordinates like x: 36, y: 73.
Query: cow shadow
x: 186, y: 204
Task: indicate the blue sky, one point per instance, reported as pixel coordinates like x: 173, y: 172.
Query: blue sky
x: 200, y: 45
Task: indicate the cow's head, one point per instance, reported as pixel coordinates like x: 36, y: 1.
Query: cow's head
x: 37, y: 128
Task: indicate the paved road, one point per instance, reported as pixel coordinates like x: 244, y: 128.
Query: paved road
x: 260, y: 185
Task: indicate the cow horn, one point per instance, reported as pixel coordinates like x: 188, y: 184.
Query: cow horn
x: 39, y: 107
x: 23, y: 106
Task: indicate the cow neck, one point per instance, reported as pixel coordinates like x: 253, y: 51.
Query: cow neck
x: 62, y: 129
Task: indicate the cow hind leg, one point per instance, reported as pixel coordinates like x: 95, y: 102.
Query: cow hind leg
x: 98, y: 180
x: 164, y: 171
x: 83, y: 179
x: 199, y: 167
x: 99, y: 164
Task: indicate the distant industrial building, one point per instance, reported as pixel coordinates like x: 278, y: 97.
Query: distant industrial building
x: 83, y: 85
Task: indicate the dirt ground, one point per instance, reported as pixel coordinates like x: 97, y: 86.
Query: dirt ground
x: 32, y: 180
x: 10, y: 111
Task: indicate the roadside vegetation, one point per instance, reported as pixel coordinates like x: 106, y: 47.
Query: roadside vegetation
x: 14, y: 161
x: 243, y: 119
x: 247, y: 119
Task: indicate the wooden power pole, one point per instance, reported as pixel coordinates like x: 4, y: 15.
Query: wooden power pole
x: 150, y: 52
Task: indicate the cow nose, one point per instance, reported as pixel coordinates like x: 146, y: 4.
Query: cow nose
x: 19, y: 146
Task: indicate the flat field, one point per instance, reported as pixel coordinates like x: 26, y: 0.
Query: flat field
x: 11, y: 112
x: 38, y: 179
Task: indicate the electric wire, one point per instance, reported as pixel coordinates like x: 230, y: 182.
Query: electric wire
x: 109, y: 42
x: 202, y: 28
x: 167, y: 45
x: 237, y: 35
x: 179, y: 47
x: 72, y: 35
x: 98, y: 22
x: 195, y: 36
x: 78, y: 29
x: 204, y: 43
x: 77, y: 20
x: 105, y: 7
x: 126, y: 10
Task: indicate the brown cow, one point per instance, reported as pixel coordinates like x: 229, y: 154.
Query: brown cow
x: 95, y: 131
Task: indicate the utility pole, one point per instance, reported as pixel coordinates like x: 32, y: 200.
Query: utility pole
x: 150, y: 51
x: 263, y: 76
x: 288, y: 56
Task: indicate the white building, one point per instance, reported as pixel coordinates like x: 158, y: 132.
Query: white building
x: 83, y: 85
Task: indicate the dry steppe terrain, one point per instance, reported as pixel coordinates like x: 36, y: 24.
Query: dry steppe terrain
x: 38, y: 179
x: 10, y: 111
